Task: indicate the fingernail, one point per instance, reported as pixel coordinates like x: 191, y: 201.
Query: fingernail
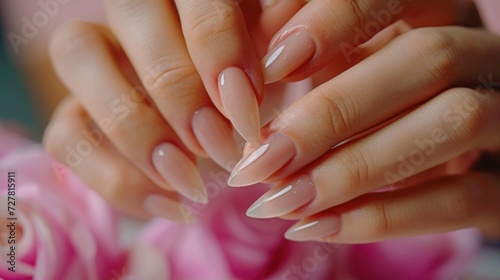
x: 288, y: 56
x: 284, y: 199
x: 179, y: 172
x: 164, y: 207
x: 267, y: 3
x: 263, y: 162
x: 240, y: 103
x: 314, y: 228
x: 215, y: 137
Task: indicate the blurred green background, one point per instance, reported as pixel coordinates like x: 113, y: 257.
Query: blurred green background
x: 15, y: 102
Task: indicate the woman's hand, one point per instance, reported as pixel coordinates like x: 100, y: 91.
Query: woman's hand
x: 154, y: 91
x: 413, y: 101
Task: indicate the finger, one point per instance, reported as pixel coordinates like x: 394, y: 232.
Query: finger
x: 225, y: 57
x: 325, y: 31
x: 71, y: 140
x: 303, y: 190
x: 274, y: 15
x: 83, y: 56
x: 443, y: 205
x: 150, y: 33
x: 363, y: 51
x: 416, y: 66
x: 454, y: 122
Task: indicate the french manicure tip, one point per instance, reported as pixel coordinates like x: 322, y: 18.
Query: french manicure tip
x: 233, y: 181
x: 255, y: 214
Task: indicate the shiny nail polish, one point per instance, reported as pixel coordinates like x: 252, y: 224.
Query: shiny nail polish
x: 263, y: 162
x: 284, y: 199
x: 179, y: 172
x: 215, y: 137
x: 164, y: 207
x: 240, y: 103
x: 314, y: 228
x: 267, y: 3
x: 288, y: 56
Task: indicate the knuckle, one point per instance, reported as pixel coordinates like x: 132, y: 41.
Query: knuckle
x: 380, y: 220
x: 336, y: 115
x: 72, y: 40
x: 359, y: 11
x: 441, y: 52
x: 129, y: 123
x: 212, y: 24
x: 358, y: 165
x: 165, y: 77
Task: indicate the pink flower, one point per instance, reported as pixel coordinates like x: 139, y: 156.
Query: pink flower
x: 439, y: 256
x: 62, y: 229
x: 65, y: 231
x: 225, y: 244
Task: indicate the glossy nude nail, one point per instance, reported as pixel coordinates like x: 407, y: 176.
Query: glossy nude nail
x: 164, y: 207
x: 179, y: 172
x: 284, y: 199
x: 288, y: 56
x: 267, y: 3
x: 240, y: 103
x: 215, y: 137
x: 263, y: 162
x: 314, y: 228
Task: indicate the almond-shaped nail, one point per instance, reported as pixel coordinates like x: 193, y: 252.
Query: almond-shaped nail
x: 284, y: 199
x: 293, y: 52
x: 240, y: 103
x: 260, y: 164
x: 314, y: 228
x: 179, y: 172
x: 215, y: 137
x: 169, y: 209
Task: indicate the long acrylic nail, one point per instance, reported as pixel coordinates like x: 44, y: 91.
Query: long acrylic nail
x: 263, y: 162
x: 215, y: 137
x: 314, y: 228
x: 179, y: 172
x: 288, y: 56
x: 164, y: 207
x: 283, y: 199
x: 240, y: 103
x: 267, y: 3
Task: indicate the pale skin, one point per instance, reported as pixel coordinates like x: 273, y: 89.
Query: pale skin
x: 427, y: 95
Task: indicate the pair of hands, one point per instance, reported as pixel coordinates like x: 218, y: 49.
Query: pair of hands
x: 409, y: 108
